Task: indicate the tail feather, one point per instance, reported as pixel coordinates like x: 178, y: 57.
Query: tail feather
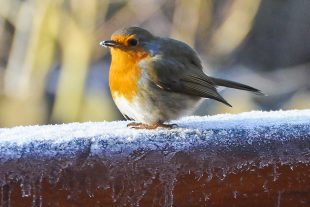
x: 235, y: 85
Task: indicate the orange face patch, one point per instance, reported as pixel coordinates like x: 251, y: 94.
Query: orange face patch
x: 125, y: 72
x: 123, y: 39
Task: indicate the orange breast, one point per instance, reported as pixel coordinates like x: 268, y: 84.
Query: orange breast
x: 125, y: 73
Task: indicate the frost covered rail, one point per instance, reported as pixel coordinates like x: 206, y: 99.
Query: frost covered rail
x: 255, y: 158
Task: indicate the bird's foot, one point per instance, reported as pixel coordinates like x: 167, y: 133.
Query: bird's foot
x: 168, y: 126
x: 135, y: 125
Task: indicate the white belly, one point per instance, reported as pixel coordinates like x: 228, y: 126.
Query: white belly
x: 165, y: 106
x: 132, y: 109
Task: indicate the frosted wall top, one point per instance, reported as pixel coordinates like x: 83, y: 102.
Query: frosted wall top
x: 108, y: 155
x: 209, y: 132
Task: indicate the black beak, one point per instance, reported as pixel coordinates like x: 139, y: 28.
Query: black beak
x: 109, y: 43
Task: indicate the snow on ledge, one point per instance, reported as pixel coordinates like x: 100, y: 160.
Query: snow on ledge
x: 115, y: 137
x: 212, y: 145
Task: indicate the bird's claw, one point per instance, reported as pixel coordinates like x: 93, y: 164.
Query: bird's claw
x: 135, y: 125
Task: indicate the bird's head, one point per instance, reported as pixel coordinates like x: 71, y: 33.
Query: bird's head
x: 132, y: 41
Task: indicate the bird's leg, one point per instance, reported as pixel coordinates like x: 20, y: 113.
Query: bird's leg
x: 133, y: 124
x: 136, y: 125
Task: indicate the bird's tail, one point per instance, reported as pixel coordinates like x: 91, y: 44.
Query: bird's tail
x: 235, y: 85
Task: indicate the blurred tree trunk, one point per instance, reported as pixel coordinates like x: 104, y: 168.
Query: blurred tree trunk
x: 279, y: 37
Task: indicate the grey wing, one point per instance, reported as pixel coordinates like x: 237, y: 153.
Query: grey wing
x: 183, y: 76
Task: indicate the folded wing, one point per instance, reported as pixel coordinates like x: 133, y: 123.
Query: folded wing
x: 185, y: 77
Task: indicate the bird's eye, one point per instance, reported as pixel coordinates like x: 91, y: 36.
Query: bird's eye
x: 133, y: 42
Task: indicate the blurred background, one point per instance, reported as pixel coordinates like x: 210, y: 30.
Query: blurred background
x: 52, y: 69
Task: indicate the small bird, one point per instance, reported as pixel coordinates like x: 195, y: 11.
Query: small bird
x: 154, y: 80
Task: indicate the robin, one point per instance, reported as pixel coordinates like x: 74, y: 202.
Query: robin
x: 154, y: 80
